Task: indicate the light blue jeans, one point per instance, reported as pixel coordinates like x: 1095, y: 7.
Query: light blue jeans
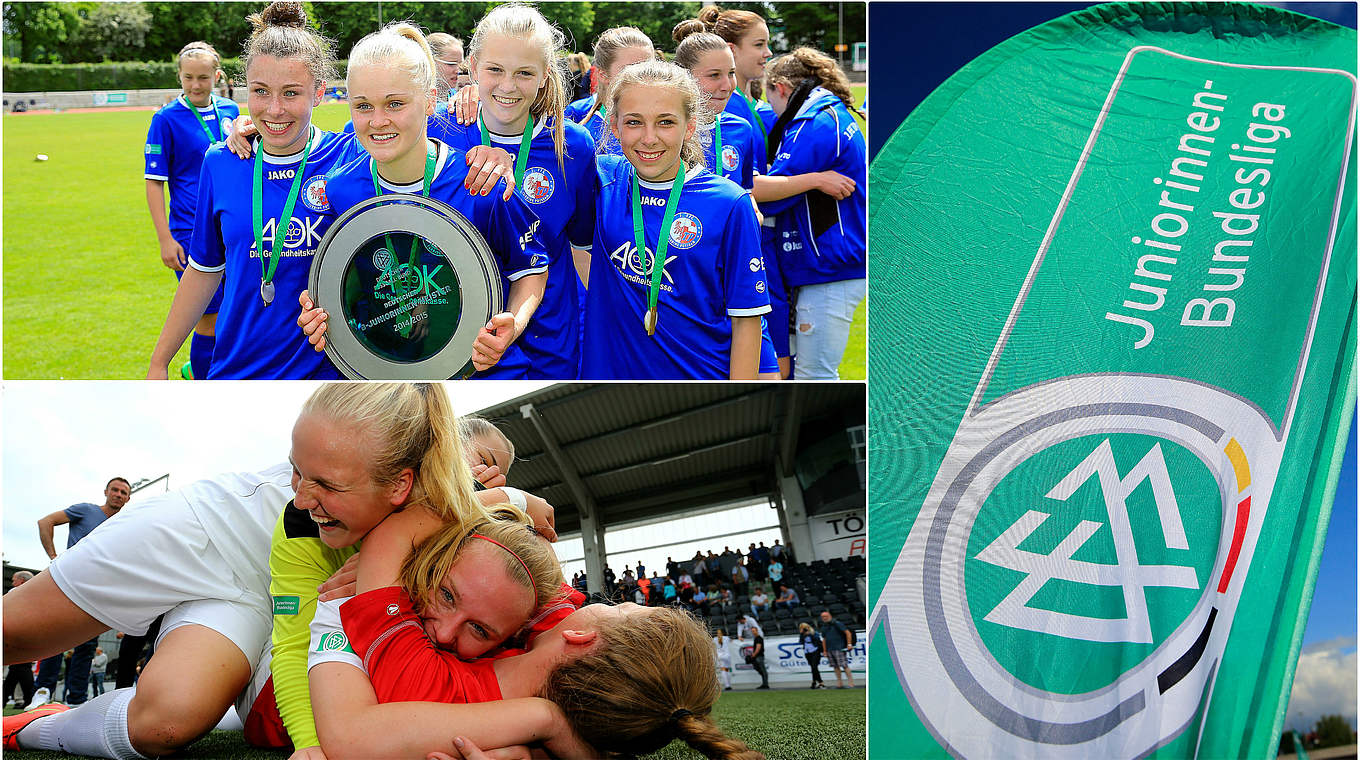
x: 822, y: 327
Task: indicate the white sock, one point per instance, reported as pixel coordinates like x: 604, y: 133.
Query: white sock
x: 98, y: 728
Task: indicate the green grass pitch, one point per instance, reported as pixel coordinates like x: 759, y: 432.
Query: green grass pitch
x: 795, y: 724
x: 85, y: 293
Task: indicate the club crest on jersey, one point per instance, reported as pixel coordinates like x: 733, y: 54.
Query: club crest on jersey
x: 730, y: 158
x: 538, y: 185
x: 314, y: 194
x: 686, y: 231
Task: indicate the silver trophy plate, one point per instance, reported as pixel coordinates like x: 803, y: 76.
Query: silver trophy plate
x: 408, y: 282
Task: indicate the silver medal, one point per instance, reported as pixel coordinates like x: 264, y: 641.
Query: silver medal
x: 267, y: 292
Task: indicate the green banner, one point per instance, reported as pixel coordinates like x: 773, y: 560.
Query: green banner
x: 1123, y: 427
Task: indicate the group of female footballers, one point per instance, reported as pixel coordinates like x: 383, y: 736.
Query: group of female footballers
x: 450, y: 633
x: 670, y: 226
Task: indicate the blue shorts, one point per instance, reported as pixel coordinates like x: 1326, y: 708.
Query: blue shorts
x: 215, y: 305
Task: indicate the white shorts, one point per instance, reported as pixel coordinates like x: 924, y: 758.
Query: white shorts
x: 157, y: 557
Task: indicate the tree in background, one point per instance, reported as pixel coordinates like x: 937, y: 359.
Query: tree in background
x: 1334, y: 731
x: 41, y: 29
x: 112, y: 32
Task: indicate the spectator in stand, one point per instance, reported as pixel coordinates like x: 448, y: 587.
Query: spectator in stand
x: 670, y: 593
x: 575, y: 580
x: 687, y: 596
x: 837, y: 639
x: 775, y: 572
x: 609, y: 579
x: 726, y: 598
x: 740, y: 578
x: 788, y: 598
x: 628, y: 580
x: 641, y: 571
x: 753, y: 564
x: 759, y: 602
x: 582, y: 584
x: 644, y: 585
x: 98, y: 665
x: 761, y: 554
x: 713, y: 563
x: 779, y: 552
x: 728, y: 560
x: 811, y: 641
x: 699, y: 567
x: 20, y: 673
x: 686, y: 580
x: 639, y: 596
x: 672, y: 569
x: 699, y: 601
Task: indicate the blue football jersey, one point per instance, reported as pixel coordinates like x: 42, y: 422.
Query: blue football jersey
x: 576, y: 111
x: 737, y: 159
x: 174, y: 150
x: 761, y: 119
x: 563, y: 198
x: 510, y: 227
x: 712, y: 273
x: 831, y: 234
x: 255, y: 341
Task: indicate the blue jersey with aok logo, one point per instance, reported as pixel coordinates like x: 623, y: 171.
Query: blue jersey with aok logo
x: 713, y: 272
x: 831, y: 234
x: 175, y: 145
x: 738, y: 157
x: 563, y: 198
x: 255, y: 341
x: 510, y: 227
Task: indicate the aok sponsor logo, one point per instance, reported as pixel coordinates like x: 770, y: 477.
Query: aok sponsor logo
x: 302, y: 232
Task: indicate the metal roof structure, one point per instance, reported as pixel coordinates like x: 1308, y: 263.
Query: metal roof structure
x: 654, y: 450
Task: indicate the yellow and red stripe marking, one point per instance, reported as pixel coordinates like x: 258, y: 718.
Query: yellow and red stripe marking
x: 1242, y: 471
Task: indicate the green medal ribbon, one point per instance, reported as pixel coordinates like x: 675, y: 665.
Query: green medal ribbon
x: 194, y: 109
x: 717, y: 144
x: 755, y: 117
x: 522, y: 160
x: 663, y: 239
x: 431, y: 153
x: 257, y: 216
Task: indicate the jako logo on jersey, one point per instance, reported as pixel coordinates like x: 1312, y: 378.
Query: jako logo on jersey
x: 281, y: 174
x: 538, y: 185
x: 686, y: 231
x: 756, y: 264
x: 760, y: 286
x: 314, y: 194
x: 730, y: 158
x: 648, y: 200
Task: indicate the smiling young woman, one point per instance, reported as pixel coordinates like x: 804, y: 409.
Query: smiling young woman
x: 180, y: 135
x: 677, y: 285
x: 515, y: 59
x: 393, y: 89
x: 260, y: 243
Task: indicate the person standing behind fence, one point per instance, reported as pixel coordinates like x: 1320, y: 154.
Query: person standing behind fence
x: 180, y: 133
x: 83, y: 518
